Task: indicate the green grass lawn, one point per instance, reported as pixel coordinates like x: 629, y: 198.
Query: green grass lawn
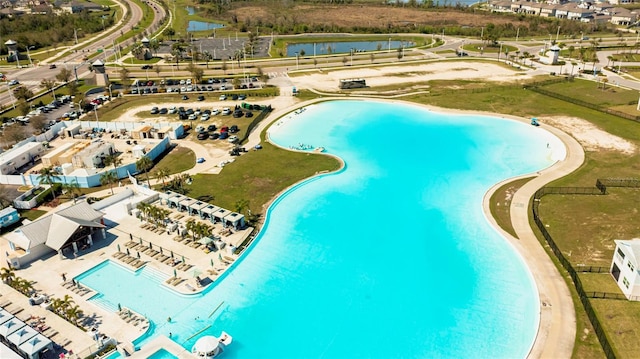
x: 258, y: 176
x: 590, y: 92
x: 178, y: 159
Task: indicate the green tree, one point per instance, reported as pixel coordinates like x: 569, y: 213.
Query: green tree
x: 113, y: 159
x: 47, y: 176
x: 162, y: 174
x: 169, y: 32
x: 73, y: 313
x: 144, y: 164
x: 49, y: 84
x: 64, y: 75
x: 22, y: 93
x: 124, y: 77
x: 196, y: 73
x: 73, y: 188
x: 7, y: 275
x: 108, y: 178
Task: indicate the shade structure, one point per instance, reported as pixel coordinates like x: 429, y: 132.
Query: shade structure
x: 35, y: 345
x: 22, y: 335
x: 205, y: 240
x: 4, y: 316
x: 206, y: 345
x: 7, y: 328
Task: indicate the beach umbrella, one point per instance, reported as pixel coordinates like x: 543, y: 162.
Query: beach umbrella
x: 150, y: 245
x: 118, y: 248
x: 175, y: 273
x: 212, y: 262
x: 219, y: 256
x: 171, y: 254
x: 130, y: 236
x: 128, y: 251
x: 119, y: 307
x: 140, y: 240
x: 138, y: 253
x: 183, y: 261
x: 161, y: 250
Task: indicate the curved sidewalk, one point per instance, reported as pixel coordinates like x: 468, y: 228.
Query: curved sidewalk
x: 557, y: 328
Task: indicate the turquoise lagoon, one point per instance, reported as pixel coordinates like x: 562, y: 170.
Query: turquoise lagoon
x: 390, y: 257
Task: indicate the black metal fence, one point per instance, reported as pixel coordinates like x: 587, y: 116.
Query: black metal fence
x: 265, y: 111
x: 591, y: 269
x: 583, y: 295
x: 586, y: 104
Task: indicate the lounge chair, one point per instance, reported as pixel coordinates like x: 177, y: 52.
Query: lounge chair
x: 15, y: 310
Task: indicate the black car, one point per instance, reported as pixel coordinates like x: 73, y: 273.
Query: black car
x: 238, y: 113
x: 168, y: 82
x: 234, y: 129
x: 147, y: 67
x: 154, y: 110
x: 211, y: 128
x: 203, y: 136
x: 185, y: 97
x: 200, y: 98
x: 214, y: 136
x: 189, y: 111
x: 248, y: 114
x: 242, y: 97
x: 234, y: 97
x: 163, y: 111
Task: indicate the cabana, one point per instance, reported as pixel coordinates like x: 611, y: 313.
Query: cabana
x: 166, y: 196
x: 7, y: 328
x: 4, y: 316
x: 208, y: 211
x: 21, y: 335
x: 196, y: 208
x: 174, y: 201
x: 33, y: 347
x: 185, y: 205
x: 218, y: 216
x: 234, y: 219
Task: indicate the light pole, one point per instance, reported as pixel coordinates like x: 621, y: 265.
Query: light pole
x: 517, y: 34
x: 297, y: 60
x: 13, y: 100
x: 29, y: 55
x: 500, y: 52
x: 95, y: 110
x: 110, y: 94
x: 75, y: 34
x: 557, y: 34
x: 389, y: 48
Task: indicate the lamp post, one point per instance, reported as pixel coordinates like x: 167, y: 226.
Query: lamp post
x: 75, y: 34
x: 110, y: 94
x: 95, y: 110
x: 29, y: 55
x: 500, y: 52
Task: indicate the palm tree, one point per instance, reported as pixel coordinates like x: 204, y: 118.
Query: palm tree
x: 47, y: 175
x: 23, y: 286
x: 7, y: 275
x: 72, y: 187
x: 241, y: 205
x: 144, y: 164
x: 124, y: 77
x: 162, y: 174
x: 108, y: 178
x: 73, y: 313
x: 191, y: 226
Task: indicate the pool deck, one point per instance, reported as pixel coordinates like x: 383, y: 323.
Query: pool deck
x: 46, y: 274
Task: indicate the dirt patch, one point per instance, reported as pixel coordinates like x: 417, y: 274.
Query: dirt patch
x: 590, y: 136
x: 420, y: 73
x: 345, y: 16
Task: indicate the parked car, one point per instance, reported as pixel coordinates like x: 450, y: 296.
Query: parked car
x: 173, y: 110
x: 233, y: 139
x: 223, y: 97
x: 203, y: 136
x: 242, y: 97
x: 13, y: 82
x: 226, y: 111
x: 248, y: 114
x: 214, y: 136
x: 147, y: 67
x: 223, y: 135
x: 211, y: 128
x: 154, y: 110
x: 185, y: 97
x: 215, y: 112
x: 234, y: 97
x: 52, y: 66
x: 163, y: 111
x: 200, y: 98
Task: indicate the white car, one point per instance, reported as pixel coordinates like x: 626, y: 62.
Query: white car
x: 13, y: 82
x: 233, y: 139
x: 183, y: 82
x: 204, y: 117
x: 226, y: 111
x: 188, y: 81
x: 223, y: 87
x: 223, y: 97
x: 192, y: 117
x: 200, y: 128
x: 215, y: 112
x: 173, y: 110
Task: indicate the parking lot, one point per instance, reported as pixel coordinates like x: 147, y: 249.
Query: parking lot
x: 142, y: 87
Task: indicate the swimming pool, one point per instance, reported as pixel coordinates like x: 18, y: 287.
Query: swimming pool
x: 391, y: 256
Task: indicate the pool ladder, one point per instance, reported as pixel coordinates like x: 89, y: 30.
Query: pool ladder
x: 154, y: 274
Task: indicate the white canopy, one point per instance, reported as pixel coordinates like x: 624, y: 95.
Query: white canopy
x: 22, y: 335
x: 35, y: 345
x: 4, y: 316
x: 206, y: 344
x: 10, y: 326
